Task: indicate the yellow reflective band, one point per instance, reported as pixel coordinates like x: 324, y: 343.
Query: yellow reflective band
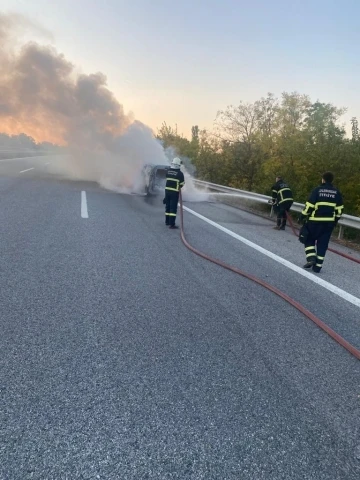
x: 275, y: 191
x: 320, y: 258
x: 325, y: 204
x: 286, y: 200
x: 172, y: 214
x: 310, y: 255
x: 281, y: 194
x: 322, y: 219
x: 176, y: 180
x: 308, y: 205
x: 318, y: 265
x: 309, y: 248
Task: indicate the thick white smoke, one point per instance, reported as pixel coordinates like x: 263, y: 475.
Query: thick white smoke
x: 42, y: 96
x: 190, y: 193
x: 119, y: 168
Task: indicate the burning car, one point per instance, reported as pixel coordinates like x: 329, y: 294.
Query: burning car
x: 154, y: 179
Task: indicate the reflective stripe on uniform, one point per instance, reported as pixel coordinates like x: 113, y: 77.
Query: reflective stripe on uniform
x: 177, y: 181
x: 324, y: 204
x: 315, y: 208
x: 308, y: 205
x: 280, y: 192
x: 310, y: 252
x: 286, y: 200
x: 283, y: 190
x: 339, y: 210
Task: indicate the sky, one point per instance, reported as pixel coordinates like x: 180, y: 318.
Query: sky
x: 181, y: 62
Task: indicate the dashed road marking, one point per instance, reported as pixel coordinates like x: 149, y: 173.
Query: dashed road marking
x: 84, y: 209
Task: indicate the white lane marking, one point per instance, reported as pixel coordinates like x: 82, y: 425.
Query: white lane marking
x: 319, y: 281
x: 27, y: 170
x: 84, y: 210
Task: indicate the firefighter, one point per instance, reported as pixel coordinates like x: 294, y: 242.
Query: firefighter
x: 321, y: 213
x: 282, y: 199
x: 174, y: 182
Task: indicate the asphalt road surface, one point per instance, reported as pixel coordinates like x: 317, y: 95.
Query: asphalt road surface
x: 125, y: 356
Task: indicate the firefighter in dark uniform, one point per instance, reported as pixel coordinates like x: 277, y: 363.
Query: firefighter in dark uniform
x: 321, y: 213
x: 174, y: 182
x: 282, y: 199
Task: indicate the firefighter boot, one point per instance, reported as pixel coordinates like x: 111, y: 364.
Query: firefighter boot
x: 309, y: 264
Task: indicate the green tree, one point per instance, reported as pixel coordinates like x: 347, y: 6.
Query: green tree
x: 355, y: 129
x: 267, y: 110
x: 239, y: 128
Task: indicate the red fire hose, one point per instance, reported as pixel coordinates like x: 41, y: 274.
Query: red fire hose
x: 350, y: 348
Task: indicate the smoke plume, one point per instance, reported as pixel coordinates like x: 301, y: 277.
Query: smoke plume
x: 42, y: 95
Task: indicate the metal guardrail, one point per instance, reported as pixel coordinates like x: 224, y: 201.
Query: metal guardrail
x: 345, y: 221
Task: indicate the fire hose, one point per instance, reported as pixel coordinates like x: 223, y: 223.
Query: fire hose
x: 335, y: 336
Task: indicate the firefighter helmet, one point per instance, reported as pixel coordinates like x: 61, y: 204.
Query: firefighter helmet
x: 176, y: 163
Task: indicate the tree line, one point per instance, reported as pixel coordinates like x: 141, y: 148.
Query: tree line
x: 290, y: 136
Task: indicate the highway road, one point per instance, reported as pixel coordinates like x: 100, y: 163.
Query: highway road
x: 126, y: 356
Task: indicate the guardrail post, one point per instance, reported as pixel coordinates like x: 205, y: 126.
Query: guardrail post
x: 341, y: 231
